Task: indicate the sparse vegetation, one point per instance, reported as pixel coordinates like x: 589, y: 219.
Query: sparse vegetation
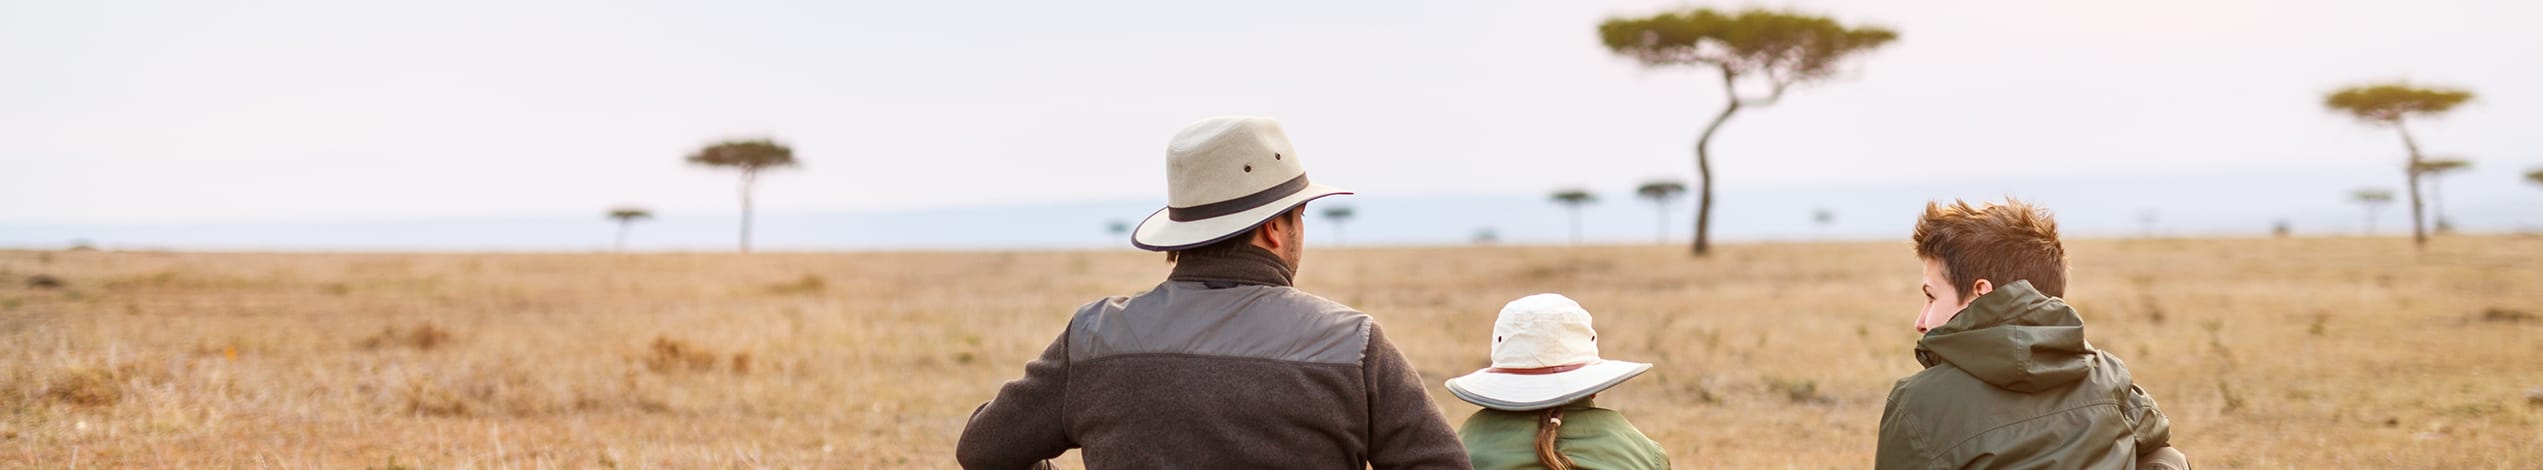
x: 424, y: 337
x: 1767, y: 356
x: 2391, y: 105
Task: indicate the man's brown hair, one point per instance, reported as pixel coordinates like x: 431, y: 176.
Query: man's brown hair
x: 2001, y: 243
x: 1293, y: 215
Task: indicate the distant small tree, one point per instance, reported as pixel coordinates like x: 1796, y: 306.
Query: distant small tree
x: 2371, y: 198
x: 1572, y: 200
x: 1338, y: 214
x: 750, y: 156
x: 1487, y: 236
x: 1822, y: 218
x: 1660, y: 193
x: 627, y: 216
x: 2145, y: 221
x: 2281, y: 229
x: 2535, y: 176
x: 2435, y: 170
x: 2387, y: 105
x: 1776, y: 49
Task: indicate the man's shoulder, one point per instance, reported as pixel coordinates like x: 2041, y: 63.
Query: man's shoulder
x: 1308, y: 302
x: 1258, y: 322
x: 1943, y: 410
x: 1937, y: 383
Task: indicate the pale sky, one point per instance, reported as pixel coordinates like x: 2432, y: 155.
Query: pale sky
x: 167, y: 112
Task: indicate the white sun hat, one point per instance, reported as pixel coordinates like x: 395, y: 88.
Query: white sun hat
x: 1544, y: 354
x: 1225, y: 175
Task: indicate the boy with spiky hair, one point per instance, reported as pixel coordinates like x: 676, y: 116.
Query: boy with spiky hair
x: 2009, y: 381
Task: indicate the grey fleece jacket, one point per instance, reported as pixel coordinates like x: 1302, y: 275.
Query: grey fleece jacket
x: 1222, y: 366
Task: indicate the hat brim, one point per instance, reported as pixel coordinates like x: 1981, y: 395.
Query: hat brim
x: 1527, y: 392
x: 1161, y: 233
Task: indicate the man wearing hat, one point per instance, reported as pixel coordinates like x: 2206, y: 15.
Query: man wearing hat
x: 1224, y: 365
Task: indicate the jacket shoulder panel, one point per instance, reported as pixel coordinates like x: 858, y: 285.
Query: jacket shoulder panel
x: 1256, y: 322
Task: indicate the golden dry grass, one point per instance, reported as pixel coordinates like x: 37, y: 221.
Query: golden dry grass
x: 2315, y: 353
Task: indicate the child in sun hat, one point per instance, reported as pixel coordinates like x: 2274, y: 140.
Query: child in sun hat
x: 1536, y: 396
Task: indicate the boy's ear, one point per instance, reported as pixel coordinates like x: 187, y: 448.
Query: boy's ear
x: 1982, y: 287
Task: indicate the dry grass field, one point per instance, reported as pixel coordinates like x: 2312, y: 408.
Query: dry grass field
x: 2309, y: 353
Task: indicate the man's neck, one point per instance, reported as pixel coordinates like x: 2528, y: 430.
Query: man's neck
x: 1235, y: 263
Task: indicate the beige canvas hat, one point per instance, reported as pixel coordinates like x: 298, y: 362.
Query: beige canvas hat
x: 1225, y: 175
x: 1544, y: 354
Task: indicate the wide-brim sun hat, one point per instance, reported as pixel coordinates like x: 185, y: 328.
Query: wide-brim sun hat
x: 1225, y: 175
x: 1544, y: 354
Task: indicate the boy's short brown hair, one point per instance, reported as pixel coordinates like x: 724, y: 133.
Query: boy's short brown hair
x: 2001, y: 243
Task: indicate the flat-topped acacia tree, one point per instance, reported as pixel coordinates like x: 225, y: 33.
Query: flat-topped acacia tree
x: 627, y: 216
x: 2371, y: 198
x: 1572, y: 200
x: 2389, y: 105
x: 750, y: 156
x: 1660, y: 193
x: 1776, y: 49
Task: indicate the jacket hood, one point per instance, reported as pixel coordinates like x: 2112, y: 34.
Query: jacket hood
x: 2013, y: 338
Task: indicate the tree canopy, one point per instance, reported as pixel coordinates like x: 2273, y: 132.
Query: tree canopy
x: 1785, y: 48
x: 2388, y: 103
x: 629, y: 214
x: 747, y: 154
x: 2372, y: 196
x: 2441, y: 166
x: 1660, y: 190
x: 1574, y: 197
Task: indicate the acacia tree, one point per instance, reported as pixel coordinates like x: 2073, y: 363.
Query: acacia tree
x: 2371, y: 198
x: 2388, y: 104
x: 626, y: 216
x: 1777, y: 50
x: 2435, y: 170
x: 1338, y: 214
x: 750, y: 156
x: 1572, y: 200
x: 1660, y: 193
x: 2535, y: 176
x: 1822, y: 217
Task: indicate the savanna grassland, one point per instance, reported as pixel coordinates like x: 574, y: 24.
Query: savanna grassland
x: 2309, y: 352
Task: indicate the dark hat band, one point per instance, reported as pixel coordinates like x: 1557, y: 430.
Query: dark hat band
x: 1241, y: 204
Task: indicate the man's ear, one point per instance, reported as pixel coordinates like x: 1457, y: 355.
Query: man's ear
x: 1274, y: 233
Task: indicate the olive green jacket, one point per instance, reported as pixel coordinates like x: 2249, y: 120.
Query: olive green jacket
x: 1595, y: 438
x: 2011, y: 383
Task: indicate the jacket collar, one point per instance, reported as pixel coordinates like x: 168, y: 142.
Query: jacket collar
x: 2015, y: 338
x: 1236, y: 263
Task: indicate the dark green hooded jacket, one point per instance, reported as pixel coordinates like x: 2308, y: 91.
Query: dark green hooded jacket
x: 2010, y: 383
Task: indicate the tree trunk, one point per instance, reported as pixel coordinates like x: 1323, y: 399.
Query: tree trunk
x: 2419, y: 228
x: 1664, y: 220
x: 749, y: 176
x: 622, y: 235
x: 2437, y: 202
x: 1704, y: 167
x: 1575, y: 209
x: 2370, y: 220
